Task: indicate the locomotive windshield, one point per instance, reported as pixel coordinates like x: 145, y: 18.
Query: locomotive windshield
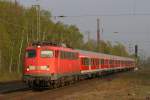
x: 30, y: 53
x: 46, y: 53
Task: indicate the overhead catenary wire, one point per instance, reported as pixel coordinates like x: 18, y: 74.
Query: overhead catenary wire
x: 97, y: 15
x: 62, y: 16
x: 88, y: 15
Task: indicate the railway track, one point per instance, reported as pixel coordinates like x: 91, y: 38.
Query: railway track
x: 18, y: 86
x: 12, y: 86
x: 48, y: 94
x: 107, y: 87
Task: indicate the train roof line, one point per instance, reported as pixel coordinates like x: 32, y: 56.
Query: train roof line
x: 50, y: 43
x: 47, y: 43
x: 102, y: 54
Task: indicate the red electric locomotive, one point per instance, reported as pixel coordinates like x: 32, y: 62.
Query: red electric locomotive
x: 53, y: 64
x: 48, y: 63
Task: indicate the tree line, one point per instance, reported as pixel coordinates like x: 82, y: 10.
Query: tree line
x: 18, y: 28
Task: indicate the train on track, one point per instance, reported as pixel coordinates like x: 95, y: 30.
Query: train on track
x: 50, y: 64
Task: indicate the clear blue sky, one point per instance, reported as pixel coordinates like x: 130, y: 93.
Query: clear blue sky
x: 132, y: 29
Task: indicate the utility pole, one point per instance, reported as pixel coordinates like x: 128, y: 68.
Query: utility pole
x: 15, y: 2
x: 11, y: 58
x: 130, y: 48
x: 20, y: 50
x: 98, y: 34
x: 88, y: 35
x: 38, y: 21
x: 136, y: 50
x: 136, y: 54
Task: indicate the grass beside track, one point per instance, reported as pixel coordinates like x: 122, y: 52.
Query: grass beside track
x: 7, y: 77
x: 129, y: 86
x: 133, y: 85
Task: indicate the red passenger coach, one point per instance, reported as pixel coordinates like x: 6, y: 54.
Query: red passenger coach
x: 46, y: 62
x: 95, y: 63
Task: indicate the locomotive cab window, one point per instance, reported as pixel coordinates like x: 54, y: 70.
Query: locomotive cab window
x: 46, y: 53
x: 30, y: 53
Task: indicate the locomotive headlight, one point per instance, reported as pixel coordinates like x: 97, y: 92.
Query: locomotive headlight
x: 44, y: 67
x: 37, y: 68
x: 31, y: 67
x: 27, y: 69
x: 48, y: 68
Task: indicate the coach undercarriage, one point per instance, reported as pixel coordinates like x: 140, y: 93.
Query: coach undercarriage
x: 46, y: 82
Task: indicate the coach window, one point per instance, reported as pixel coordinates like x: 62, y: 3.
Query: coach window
x: 99, y: 61
x: 92, y: 62
x: 86, y: 61
x: 105, y: 61
x: 46, y: 53
x: 115, y: 62
x: 83, y: 61
x: 122, y: 62
x: 110, y: 62
x: 102, y: 61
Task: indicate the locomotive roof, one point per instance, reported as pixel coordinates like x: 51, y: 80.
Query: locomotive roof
x: 50, y: 43
x: 102, y: 55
